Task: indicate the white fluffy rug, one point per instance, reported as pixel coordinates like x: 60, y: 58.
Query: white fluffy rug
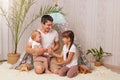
x: 100, y: 73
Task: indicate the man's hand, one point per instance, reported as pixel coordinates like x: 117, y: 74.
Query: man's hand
x: 35, y: 54
x: 30, y: 50
x: 45, y: 50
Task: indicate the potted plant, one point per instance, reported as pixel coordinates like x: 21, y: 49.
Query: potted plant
x: 98, y: 54
x: 16, y: 19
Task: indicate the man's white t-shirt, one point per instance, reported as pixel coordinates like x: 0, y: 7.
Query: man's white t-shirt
x: 49, y: 39
x: 75, y: 57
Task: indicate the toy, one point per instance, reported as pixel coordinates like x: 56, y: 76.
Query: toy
x: 84, y: 70
x: 24, y: 67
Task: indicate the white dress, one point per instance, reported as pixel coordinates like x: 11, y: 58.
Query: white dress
x: 75, y: 57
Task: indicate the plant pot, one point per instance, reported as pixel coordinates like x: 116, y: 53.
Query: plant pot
x: 12, y: 58
x: 97, y: 63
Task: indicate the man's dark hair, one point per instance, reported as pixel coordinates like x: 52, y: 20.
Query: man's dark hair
x: 46, y: 18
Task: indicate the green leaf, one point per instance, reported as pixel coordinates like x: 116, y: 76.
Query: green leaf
x: 93, y: 50
x: 98, y: 54
x: 101, y: 50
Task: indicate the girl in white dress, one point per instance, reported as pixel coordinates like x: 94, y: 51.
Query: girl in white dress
x: 69, y: 55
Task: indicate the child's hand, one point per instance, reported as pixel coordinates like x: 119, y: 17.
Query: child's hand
x: 50, y: 50
x: 45, y: 50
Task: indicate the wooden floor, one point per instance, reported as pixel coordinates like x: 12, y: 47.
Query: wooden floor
x: 113, y: 68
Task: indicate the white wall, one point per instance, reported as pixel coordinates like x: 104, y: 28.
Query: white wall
x: 0, y: 41
x: 95, y: 23
x: 3, y: 32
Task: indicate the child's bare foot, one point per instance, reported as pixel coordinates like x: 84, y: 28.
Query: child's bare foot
x: 48, y: 72
x: 56, y: 71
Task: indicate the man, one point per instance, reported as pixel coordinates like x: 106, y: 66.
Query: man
x: 50, y: 38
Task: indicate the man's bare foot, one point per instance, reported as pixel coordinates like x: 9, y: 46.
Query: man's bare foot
x: 48, y: 72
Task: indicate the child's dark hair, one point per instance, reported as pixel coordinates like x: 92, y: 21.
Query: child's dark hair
x: 68, y: 34
x: 46, y: 18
